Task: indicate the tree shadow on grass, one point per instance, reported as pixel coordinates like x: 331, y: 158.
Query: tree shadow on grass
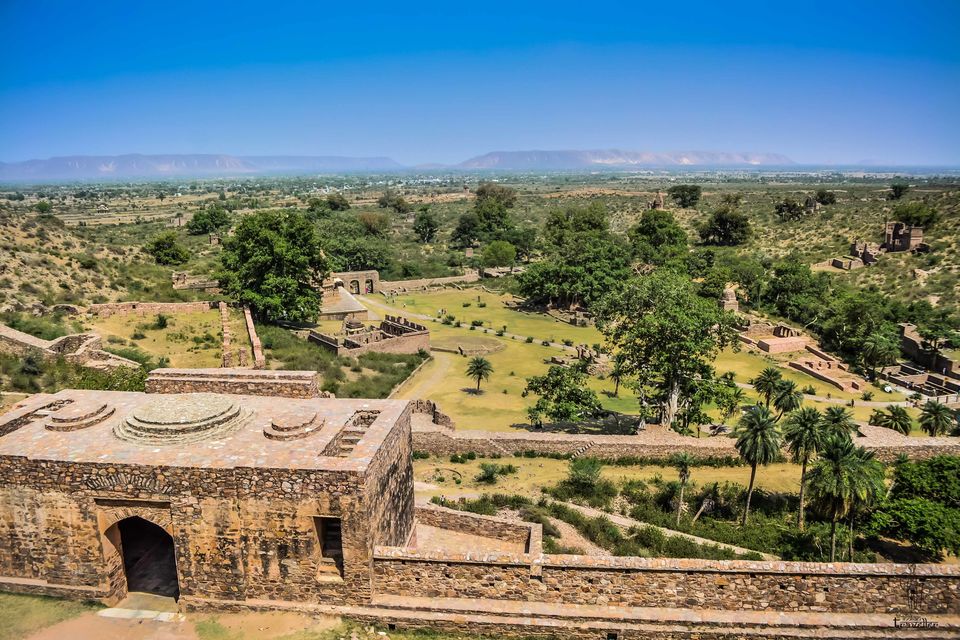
x: 473, y: 391
x: 611, y: 423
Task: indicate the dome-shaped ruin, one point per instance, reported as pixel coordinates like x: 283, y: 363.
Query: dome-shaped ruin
x: 182, y: 418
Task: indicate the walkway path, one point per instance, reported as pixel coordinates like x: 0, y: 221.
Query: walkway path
x: 625, y: 523
x: 861, y: 403
x: 421, y: 386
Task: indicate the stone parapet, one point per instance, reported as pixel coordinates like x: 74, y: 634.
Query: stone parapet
x: 108, y: 309
x: 475, y: 524
x: 290, y: 384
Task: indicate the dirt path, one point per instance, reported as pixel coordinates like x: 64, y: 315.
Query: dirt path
x: 421, y: 385
x: 91, y: 626
x: 570, y: 537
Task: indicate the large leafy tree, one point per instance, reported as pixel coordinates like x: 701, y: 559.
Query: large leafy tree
x: 563, y: 396
x: 657, y: 238
x: 425, y: 225
x: 667, y: 335
x: 166, y: 249
x: 685, y: 195
x: 208, y: 220
x: 804, y: 434
x: 936, y: 419
x: 274, y: 264
x: 726, y: 227
x: 583, y: 260
x: 758, y: 442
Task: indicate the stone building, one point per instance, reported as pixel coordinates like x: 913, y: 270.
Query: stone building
x: 205, y: 497
x: 900, y: 236
x: 392, y: 335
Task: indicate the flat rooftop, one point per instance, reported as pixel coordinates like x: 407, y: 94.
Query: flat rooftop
x: 199, y: 430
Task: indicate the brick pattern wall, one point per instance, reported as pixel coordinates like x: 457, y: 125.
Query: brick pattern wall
x: 399, y: 286
x: 287, y: 384
x: 259, y: 361
x: 474, y: 524
x: 108, y: 309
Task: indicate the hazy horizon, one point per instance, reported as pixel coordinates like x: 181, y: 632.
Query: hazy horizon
x: 824, y: 84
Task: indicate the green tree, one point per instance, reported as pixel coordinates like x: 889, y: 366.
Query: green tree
x: 896, y: 418
x: 43, y: 207
x: 838, y: 422
x: 758, y: 442
x: 767, y: 383
x: 916, y: 214
x: 274, y: 264
x: 563, y: 396
x: 208, y: 220
x: 479, y: 368
x: 804, y: 434
x: 787, y: 397
x: 726, y: 227
x: 667, y: 335
x: 936, y: 419
x: 825, y: 197
x: 682, y: 462
x: 499, y: 253
x: 425, y: 225
x: 337, y: 202
x: 166, y: 249
x: 657, y: 238
x: 898, y: 190
x: 842, y: 479
x: 685, y: 195
x: 393, y: 200
x: 491, y: 191
x: 584, y: 474
x: 878, y: 350
x: 467, y: 231
x: 789, y: 209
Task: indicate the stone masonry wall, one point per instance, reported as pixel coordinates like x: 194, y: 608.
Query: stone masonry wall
x: 397, y: 286
x: 666, y: 582
x: 259, y: 361
x: 108, y: 309
x: 288, y: 384
x: 475, y: 524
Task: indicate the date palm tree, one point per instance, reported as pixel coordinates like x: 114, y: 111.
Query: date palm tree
x: 758, y: 442
x: 936, y: 419
x: 898, y: 419
x: 844, y: 478
x: 787, y: 397
x: 766, y: 383
x: 479, y: 368
x: 805, y: 435
x: 837, y: 421
x: 682, y: 463
x: 878, y: 351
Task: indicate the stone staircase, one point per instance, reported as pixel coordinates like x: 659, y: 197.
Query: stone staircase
x: 294, y: 430
x: 351, y: 434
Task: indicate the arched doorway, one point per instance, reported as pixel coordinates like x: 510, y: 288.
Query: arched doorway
x: 149, y: 561
x: 368, y: 286
x: 355, y: 287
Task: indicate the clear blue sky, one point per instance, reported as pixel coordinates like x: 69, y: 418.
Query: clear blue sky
x: 822, y: 82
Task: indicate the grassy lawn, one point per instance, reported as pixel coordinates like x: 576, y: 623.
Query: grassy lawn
x: 191, y: 340
x: 495, y: 315
x: 534, y: 473
x: 23, y: 615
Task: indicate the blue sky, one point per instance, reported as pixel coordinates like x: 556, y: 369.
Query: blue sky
x: 821, y: 82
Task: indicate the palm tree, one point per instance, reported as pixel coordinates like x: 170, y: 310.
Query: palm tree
x: 898, y: 419
x: 787, y: 397
x: 766, y: 383
x: 837, y: 421
x: 843, y: 479
x: 878, y: 351
x: 758, y: 441
x: 682, y: 463
x: 479, y: 368
x: 870, y: 488
x: 734, y: 400
x: 805, y: 434
x: 616, y: 374
x: 936, y: 418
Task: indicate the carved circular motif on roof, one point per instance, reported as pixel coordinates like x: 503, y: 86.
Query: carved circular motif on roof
x: 182, y: 419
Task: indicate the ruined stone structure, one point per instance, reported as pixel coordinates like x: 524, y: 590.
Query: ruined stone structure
x: 108, y: 309
x: 392, y: 335
x: 183, y: 280
x: 85, y: 349
x: 231, y: 502
x: 657, y: 202
x: 102, y: 493
x: 899, y: 236
x: 728, y: 300
x: 285, y: 384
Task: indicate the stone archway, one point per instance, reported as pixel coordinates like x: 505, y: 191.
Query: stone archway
x: 355, y: 287
x: 368, y: 286
x: 141, y: 558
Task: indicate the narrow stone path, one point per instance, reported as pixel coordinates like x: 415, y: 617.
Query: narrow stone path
x: 625, y: 523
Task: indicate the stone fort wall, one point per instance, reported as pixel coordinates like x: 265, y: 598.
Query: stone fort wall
x: 108, y: 309
x: 666, y: 582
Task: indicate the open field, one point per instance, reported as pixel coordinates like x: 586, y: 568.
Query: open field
x: 535, y: 473
x: 191, y: 340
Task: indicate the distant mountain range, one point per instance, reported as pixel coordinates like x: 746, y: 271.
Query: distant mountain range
x: 616, y: 159
x: 200, y: 165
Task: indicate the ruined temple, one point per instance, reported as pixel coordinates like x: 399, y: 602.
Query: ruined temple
x: 900, y: 236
